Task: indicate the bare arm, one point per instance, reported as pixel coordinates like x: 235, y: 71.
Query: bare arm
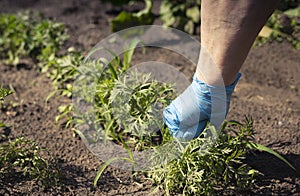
x: 228, y: 30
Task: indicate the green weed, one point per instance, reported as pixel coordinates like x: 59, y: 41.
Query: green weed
x: 4, y: 93
x: 208, y: 168
x: 26, y: 157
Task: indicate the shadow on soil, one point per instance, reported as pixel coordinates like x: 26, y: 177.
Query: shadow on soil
x: 274, y: 172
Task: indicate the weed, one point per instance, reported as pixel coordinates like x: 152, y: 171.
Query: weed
x: 25, y: 156
x: 143, y: 98
x: 4, y: 93
x: 205, y: 168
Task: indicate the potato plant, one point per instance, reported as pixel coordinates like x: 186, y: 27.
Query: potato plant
x: 185, y: 15
x: 29, y: 35
x: 284, y: 24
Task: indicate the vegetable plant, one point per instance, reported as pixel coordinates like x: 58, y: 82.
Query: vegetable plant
x: 29, y: 35
x: 284, y: 24
x: 185, y: 15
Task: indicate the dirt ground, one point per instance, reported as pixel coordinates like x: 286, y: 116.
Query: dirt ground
x: 268, y: 91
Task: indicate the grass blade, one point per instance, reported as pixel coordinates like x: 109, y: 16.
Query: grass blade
x: 104, y: 166
x: 270, y: 151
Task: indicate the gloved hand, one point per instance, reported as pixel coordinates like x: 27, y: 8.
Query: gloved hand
x: 187, y: 115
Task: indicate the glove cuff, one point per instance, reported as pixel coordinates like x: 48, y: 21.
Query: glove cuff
x: 206, y: 88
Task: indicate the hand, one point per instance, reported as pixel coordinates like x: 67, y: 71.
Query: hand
x: 187, y: 116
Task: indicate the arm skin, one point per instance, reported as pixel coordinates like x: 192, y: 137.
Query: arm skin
x: 228, y: 30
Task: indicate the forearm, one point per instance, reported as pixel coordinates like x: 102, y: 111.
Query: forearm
x: 228, y: 30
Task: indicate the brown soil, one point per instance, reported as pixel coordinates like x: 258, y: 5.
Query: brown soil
x: 269, y: 92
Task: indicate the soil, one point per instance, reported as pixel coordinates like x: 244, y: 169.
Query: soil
x: 268, y: 91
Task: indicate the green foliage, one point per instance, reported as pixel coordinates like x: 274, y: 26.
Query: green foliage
x: 184, y: 15
x: 284, y: 24
x: 26, y: 157
x: 62, y: 70
x: 136, y: 102
x: 4, y: 93
x: 205, y: 168
x: 281, y: 27
x: 28, y: 34
x: 219, y: 167
x: 120, y: 92
x: 125, y: 19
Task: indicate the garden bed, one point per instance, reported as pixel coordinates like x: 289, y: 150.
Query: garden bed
x: 268, y: 91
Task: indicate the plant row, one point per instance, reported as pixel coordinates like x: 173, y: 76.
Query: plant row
x: 195, y: 170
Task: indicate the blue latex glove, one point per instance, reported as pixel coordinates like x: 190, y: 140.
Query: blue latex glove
x: 187, y: 115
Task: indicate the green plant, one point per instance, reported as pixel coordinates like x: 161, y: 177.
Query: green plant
x: 184, y: 15
x: 29, y: 34
x: 283, y: 25
x: 25, y: 156
x: 125, y: 19
x: 4, y: 93
x: 116, y: 84
x: 62, y: 70
x: 204, y: 168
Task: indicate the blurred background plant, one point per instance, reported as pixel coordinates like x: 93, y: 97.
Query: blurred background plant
x: 284, y: 24
x: 29, y: 34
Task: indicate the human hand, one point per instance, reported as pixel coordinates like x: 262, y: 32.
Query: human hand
x: 187, y: 115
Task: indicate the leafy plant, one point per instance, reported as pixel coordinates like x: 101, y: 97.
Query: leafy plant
x: 125, y: 19
x: 4, y: 93
x: 184, y: 15
x: 284, y: 24
x: 25, y: 156
x: 29, y: 34
x: 116, y: 84
x: 62, y: 70
x: 205, y: 168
